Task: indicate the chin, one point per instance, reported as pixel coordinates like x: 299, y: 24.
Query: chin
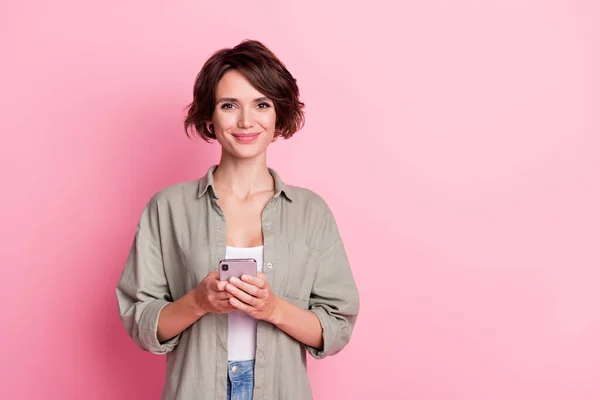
x: 246, y: 153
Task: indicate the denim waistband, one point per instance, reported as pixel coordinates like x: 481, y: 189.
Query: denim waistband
x: 240, y: 380
x: 237, y: 368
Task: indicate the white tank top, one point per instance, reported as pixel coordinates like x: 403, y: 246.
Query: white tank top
x: 241, y: 340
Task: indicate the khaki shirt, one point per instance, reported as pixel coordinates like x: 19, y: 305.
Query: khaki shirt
x: 181, y: 237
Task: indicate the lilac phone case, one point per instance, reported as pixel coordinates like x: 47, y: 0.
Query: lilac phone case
x: 236, y: 267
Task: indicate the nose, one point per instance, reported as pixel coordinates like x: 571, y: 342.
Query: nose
x: 245, y: 120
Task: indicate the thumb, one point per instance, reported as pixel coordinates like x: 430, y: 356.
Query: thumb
x: 213, y: 275
x: 210, y: 280
x: 221, y: 285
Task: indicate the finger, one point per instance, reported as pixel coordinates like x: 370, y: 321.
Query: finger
x: 221, y: 285
x: 239, y: 305
x: 241, y: 295
x: 255, y: 280
x: 246, y: 287
x: 224, y: 306
x: 223, y: 296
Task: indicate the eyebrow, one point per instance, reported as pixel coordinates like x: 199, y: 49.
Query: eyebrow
x: 234, y: 100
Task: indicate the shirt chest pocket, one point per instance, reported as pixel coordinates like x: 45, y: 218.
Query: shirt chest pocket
x: 302, y: 267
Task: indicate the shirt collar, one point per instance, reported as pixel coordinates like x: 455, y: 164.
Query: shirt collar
x: 206, y: 184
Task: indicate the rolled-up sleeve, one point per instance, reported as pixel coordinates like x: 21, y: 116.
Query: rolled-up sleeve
x: 142, y: 292
x: 334, y: 297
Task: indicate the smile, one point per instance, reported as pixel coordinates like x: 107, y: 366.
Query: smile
x: 245, y: 137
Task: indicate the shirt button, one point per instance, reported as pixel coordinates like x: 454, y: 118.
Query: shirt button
x: 235, y: 369
x: 269, y: 265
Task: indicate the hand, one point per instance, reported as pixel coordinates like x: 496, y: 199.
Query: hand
x: 210, y: 295
x: 254, y: 296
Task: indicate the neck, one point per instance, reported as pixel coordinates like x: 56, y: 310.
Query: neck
x: 242, y: 177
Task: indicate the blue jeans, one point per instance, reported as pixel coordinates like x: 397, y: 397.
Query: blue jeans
x: 240, y: 380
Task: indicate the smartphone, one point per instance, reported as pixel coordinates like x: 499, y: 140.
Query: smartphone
x: 236, y: 267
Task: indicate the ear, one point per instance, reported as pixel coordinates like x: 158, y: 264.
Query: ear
x: 209, y: 125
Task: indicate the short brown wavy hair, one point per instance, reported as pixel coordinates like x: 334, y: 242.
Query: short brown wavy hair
x: 264, y: 71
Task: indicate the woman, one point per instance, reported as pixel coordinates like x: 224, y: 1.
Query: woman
x: 239, y: 339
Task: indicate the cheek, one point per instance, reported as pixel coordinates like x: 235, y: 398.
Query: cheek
x: 224, y: 122
x: 268, y: 120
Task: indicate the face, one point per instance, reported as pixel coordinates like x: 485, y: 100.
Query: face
x: 244, y: 118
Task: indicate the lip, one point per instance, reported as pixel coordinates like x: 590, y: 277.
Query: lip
x: 246, y: 137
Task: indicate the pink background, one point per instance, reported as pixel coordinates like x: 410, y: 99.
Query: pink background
x: 456, y: 141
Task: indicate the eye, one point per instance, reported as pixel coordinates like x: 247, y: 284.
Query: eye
x: 227, y: 106
x: 263, y: 105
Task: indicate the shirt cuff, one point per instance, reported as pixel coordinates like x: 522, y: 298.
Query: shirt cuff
x: 328, y: 335
x: 149, y: 329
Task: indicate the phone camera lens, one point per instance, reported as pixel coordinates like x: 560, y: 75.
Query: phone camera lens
x: 225, y: 267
